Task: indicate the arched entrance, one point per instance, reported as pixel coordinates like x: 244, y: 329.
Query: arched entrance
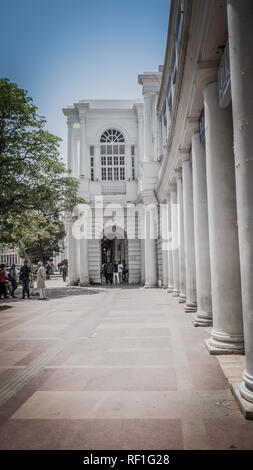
x: 114, y: 250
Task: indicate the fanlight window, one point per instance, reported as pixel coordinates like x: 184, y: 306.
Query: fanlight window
x: 112, y: 156
x: 112, y: 135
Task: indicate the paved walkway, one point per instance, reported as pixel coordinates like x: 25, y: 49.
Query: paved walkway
x: 111, y: 368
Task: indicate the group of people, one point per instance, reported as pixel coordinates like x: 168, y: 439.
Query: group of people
x: 114, y: 272
x: 27, y: 279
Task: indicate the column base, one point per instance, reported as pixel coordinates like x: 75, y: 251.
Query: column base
x: 245, y: 405
x: 149, y: 286
x: 84, y: 284
x: 72, y: 283
x: 182, y: 298
x: 175, y: 293
x: 203, y: 319
x: 226, y: 344
x: 169, y: 289
x: 190, y: 307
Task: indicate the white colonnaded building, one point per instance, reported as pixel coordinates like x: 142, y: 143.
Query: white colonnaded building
x: 188, y: 144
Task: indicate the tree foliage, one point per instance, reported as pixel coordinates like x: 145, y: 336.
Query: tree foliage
x: 38, y: 237
x: 34, y: 180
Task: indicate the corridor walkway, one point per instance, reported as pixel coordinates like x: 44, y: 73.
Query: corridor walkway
x: 118, y: 368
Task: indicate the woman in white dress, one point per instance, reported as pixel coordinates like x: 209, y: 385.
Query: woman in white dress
x: 41, y: 276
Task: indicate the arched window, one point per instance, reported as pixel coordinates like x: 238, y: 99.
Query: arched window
x: 112, y: 154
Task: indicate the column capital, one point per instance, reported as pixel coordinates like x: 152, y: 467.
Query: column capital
x: 207, y: 72
x: 192, y: 125
x: 138, y: 107
x: 82, y: 109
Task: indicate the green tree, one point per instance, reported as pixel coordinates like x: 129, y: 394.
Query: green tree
x: 32, y: 174
x: 42, y: 236
x: 35, y: 185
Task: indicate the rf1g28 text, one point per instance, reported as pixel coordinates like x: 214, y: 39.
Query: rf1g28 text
x: 152, y: 459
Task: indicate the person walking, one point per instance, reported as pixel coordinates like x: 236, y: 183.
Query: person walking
x: 25, y: 272
x: 125, y: 271
x: 2, y: 282
x: 115, y: 273
x: 120, y: 270
x: 13, y: 279
x: 110, y: 270
x: 64, y: 272
x: 41, y: 285
x: 105, y: 273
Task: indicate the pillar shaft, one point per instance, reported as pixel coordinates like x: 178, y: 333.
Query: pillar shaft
x: 240, y: 16
x: 83, y: 164
x: 150, y: 247
x: 170, y: 262
x: 182, y: 283
x: 202, y: 253
x: 83, y: 247
x: 148, y: 144
x: 190, y: 268
x: 227, y: 333
x: 72, y: 272
x: 70, y: 146
x: 164, y: 240
x: 174, y: 229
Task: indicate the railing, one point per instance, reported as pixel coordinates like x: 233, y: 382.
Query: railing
x: 113, y: 187
x: 202, y: 131
x: 224, y: 77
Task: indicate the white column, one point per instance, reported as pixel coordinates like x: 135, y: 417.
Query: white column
x: 75, y: 156
x: 150, y: 246
x: 174, y: 229
x: 72, y: 275
x: 148, y: 144
x: 170, y: 262
x: 227, y: 333
x: 202, y: 253
x: 96, y: 162
x: 240, y: 16
x: 70, y: 145
x: 164, y: 240
x: 182, y: 282
x: 128, y: 163
x: 190, y: 268
x: 83, y: 161
x: 83, y: 247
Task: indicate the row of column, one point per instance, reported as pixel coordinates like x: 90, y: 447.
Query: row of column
x: 216, y: 209
x: 78, y: 266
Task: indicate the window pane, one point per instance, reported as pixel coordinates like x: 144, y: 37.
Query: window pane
x: 115, y: 150
x: 122, y: 160
x: 109, y: 149
x: 92, y: 150
x: 122, y: 173
x: 103, y: 173
x: 122, y: 149
x: 132, y: 149
x: 102, y: 149
x: 116, y: 173
x: 103, y: 160
x: 92, y: 161
x: 109, y: 173
x: 109, y: 160
x: 115, y: 160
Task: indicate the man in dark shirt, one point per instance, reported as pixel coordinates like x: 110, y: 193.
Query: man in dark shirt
x: 25, y: 272
x: 115, y: 273
x: 110, y: 270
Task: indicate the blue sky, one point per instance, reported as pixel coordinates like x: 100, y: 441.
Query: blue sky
x: 63, y: 51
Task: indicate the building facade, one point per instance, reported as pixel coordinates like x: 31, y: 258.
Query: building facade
x: 187, y: 145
